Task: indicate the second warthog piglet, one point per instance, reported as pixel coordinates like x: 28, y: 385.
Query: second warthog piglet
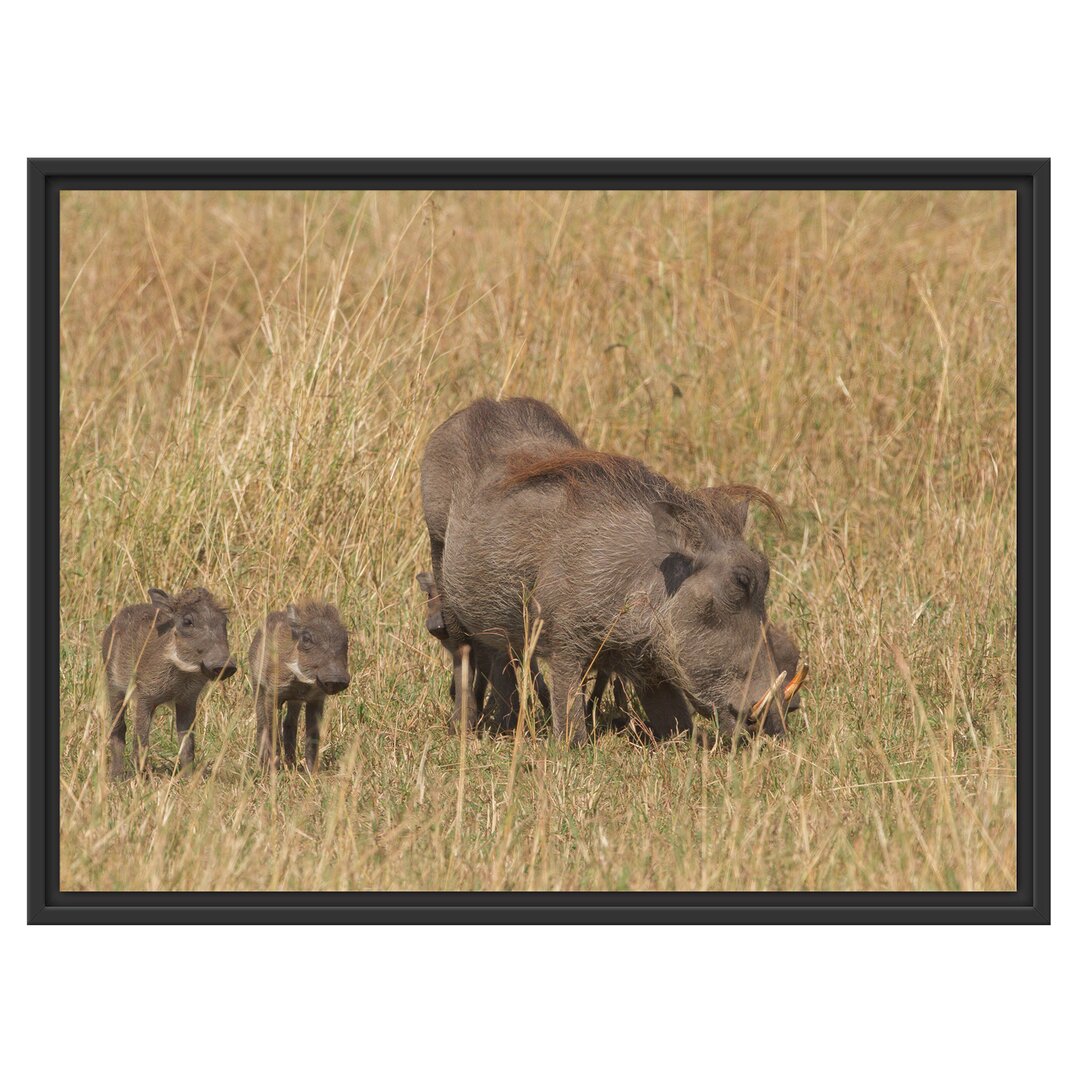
x: 299, y: 656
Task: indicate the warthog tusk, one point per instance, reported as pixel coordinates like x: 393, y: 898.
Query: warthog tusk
x: 762, y: 702
x: 790, y: 690
x: 800, y: 678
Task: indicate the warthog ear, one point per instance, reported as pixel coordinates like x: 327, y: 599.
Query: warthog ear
x: 731, y: 504
x: 165, y: 608
x: 427, y: 582
x: 292, y: 617
x: 675, y: 532
x: 161, y: 599
x: 683, y: 536
x: 731, y: 510
x: 740, y: 511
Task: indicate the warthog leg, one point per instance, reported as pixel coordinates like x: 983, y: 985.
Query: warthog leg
x: 666, y: 710
x: 542, y: 693
x: 568, y: 701
x: 185, y: 731
x: 620, y: 716
x: 596, y: 695
x: 118, y: 733
x: 144, y: 713
x: 312, y: 720
x: 266, y: 711
x: 500, y: 711
x: 288, y: 731
x: 504, y: 699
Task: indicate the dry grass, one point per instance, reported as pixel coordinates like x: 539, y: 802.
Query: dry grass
x: 247, y: 383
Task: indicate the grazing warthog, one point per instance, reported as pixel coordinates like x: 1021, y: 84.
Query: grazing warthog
x: 630, y: 574
x: 160, y: 653
x: 298, y: 657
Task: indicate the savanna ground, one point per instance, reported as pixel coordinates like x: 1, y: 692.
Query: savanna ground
x: 247, y: 383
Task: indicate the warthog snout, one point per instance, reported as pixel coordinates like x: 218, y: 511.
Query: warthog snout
x: 219, y: 669
x: 334, y: 684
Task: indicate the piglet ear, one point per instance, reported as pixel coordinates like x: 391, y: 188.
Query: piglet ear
x: 162, y: 600
x: 164, y: 609
x: 292, y: 617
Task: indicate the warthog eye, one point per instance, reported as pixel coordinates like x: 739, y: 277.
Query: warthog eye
x: 743, y: 579
x: 187, y: 621
x: 306, y: 640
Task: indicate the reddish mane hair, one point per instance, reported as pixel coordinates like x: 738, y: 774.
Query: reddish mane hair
x: 630, y: 477
x: 574, y: 465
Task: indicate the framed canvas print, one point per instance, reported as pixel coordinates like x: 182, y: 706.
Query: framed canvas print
x: 539, y: 540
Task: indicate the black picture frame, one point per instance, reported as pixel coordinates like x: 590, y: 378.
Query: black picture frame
x: 1029, y: 178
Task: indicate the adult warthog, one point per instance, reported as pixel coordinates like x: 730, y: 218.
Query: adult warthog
x: 629, y: 574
